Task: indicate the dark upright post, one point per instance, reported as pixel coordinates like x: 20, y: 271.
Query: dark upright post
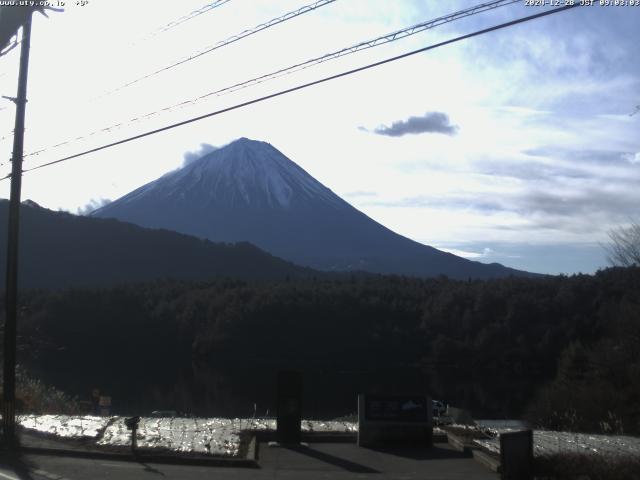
x: 132, y: 424
x: 11, y: 292
x: 289, y: 407
x: 516, y: 455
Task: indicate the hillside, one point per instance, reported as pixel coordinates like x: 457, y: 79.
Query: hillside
x: 58, y: 249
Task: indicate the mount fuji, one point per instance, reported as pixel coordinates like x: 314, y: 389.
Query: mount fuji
x: 249, y: 191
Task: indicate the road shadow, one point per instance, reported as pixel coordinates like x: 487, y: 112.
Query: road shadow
x: 21, y: 466
x: 149, y: 468
x: 422, y: 453
x: 343, y: 463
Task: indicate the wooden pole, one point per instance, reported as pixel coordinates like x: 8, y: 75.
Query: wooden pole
x: 11, y: 292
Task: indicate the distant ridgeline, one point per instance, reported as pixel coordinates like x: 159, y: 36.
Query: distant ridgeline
x: 562, y: 349
x: 58, y: 249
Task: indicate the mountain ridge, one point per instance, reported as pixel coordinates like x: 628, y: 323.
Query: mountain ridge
x: 59, y: 250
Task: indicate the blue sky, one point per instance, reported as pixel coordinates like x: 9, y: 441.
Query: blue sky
x: 517, y: 147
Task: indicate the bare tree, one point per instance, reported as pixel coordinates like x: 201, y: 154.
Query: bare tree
x: 624, y: 246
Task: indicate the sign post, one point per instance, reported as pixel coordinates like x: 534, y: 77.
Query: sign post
x: 289, y: 408
x: 132, y: 424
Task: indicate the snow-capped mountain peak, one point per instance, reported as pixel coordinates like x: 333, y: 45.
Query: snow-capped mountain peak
x: 249, y: 191
x: 244, y: 172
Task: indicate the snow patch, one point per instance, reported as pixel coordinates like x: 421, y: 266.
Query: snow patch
x: 546, y: 442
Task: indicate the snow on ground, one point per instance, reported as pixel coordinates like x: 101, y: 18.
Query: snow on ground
x: 213, y: 436
x: 222, y: 436
x: 548, y: 442
x: 67, y: 426
x: 328, y: 426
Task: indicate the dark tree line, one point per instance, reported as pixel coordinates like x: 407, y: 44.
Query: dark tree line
x: 560, y: 349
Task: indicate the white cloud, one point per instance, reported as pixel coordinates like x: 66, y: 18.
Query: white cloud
x: 633, y: 158
x: 193, y: 155
x: 485, y: 253
x: 93, y: 204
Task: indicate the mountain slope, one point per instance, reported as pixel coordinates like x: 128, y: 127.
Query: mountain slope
x: 58, y: 249
x: 249, y: 191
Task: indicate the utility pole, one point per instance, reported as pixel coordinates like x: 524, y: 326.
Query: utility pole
x: 11, y: 292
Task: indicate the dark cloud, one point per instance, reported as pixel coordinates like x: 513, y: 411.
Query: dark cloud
x: 586, y: 203
x: 430, y: 122
x: 572, y: 170
x: 588, y: 35
x: 553, y: 209
x: 459, y: 202
x: 93, y: 204
x: 192, y: 156
x: 530, y: 171
x: 589, y: 73
x: 598, y: 157
x: 547, y: 209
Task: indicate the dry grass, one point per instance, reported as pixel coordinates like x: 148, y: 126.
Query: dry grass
x: 34, y: 396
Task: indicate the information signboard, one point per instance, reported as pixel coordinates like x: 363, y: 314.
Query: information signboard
x: 394, y: 419
x: 387, y: 408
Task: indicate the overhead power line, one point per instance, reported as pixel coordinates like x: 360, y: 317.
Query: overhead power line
x: 192, y: 15
x: 387, y: 38
x: 305, y: 85
x: 230, y: 40
x: 179, y: 21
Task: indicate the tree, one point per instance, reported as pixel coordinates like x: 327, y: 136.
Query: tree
x: 624, y: 246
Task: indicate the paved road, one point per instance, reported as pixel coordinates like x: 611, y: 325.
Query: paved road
x: 320, y: 461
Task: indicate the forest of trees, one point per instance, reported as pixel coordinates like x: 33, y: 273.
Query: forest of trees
x: 561, y: 351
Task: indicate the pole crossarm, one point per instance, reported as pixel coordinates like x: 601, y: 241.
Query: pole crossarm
x: 12, y: 17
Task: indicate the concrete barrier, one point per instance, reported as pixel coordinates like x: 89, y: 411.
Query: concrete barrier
x: 516, y: 455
